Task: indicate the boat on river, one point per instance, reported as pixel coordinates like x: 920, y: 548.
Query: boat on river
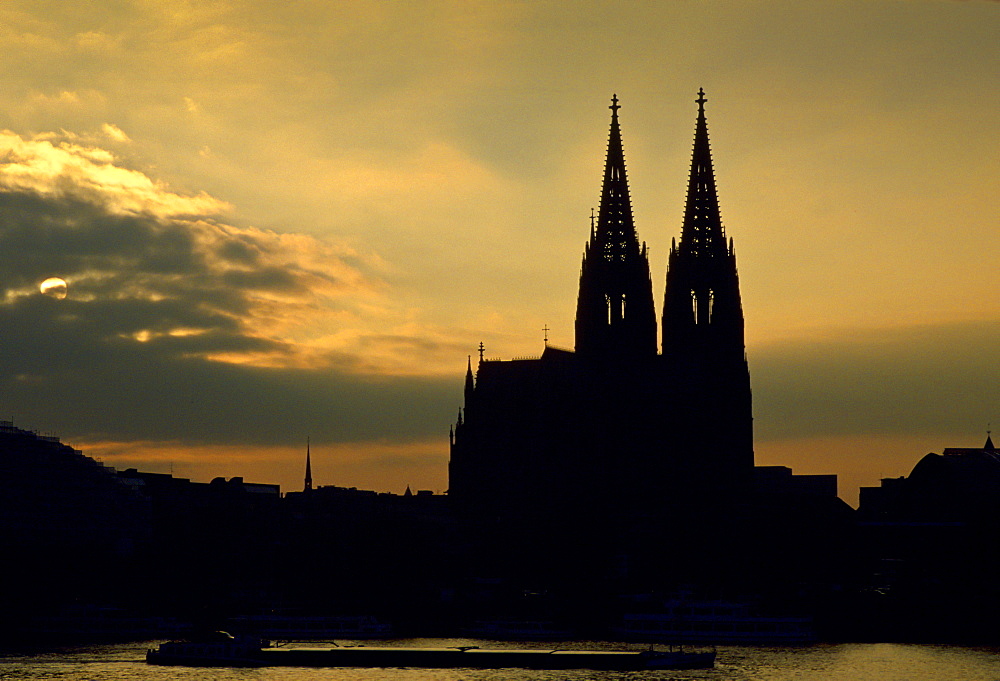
x: 223, y: 650
x: 209, y: 649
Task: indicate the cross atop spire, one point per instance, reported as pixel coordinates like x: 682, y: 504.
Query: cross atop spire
x: 614, y: 105
x: 701, y: 100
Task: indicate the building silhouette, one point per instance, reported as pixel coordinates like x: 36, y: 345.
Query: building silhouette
x: 927, y: 556
x: 66, y: 523
x: 959, y: 485
x: 617, y: 456
x: 607, y: 490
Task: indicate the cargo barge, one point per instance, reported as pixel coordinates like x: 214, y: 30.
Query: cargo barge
x: 241, y: 652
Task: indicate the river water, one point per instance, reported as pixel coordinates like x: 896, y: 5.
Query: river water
x: 826, y: 662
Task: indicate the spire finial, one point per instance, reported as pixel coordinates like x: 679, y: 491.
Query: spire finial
x: 701, y: 100
x: 545, y: 330
x: 614, y: 105
x: 482, y: 349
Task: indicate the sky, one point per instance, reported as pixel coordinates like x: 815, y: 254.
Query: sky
x: 281, y: 221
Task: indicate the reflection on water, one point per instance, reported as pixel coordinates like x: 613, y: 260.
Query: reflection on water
x: 841, y: 662
x: 854, y: 661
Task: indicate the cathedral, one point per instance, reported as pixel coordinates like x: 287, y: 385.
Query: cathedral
x: 625, y: 450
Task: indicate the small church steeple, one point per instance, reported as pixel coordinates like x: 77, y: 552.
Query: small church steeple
x: 309, y: 476
x: 615, y: 315
x: 470, y: 384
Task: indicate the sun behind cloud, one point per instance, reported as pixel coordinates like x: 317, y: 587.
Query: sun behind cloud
x: 54, y: 287
x: 153, y: 266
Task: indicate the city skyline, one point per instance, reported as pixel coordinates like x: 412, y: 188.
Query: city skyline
x: 287, y: 223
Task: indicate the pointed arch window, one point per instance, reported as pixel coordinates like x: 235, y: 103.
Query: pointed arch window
x: 702, y: 308
x: 615, y: 305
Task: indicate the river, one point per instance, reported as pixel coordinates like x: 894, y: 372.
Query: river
x: 826, y: 662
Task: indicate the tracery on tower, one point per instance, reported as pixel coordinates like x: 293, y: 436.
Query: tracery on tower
x: 702, y: 281
x: 615, y: 316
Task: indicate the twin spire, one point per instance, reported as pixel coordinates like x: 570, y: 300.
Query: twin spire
x: 615, y: 313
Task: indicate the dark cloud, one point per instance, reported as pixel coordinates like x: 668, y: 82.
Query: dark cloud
x: 406, y: 342
x: 932, y: 379
x: 41, y: 234
x: 77, y: 368
x: 121, y: 392
x: 161, y: 335
x: 240, y: 250
x: 264, y: 278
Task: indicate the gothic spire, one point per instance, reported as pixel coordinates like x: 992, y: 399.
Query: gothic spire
x: 702, y: 282
x: 309, y: 476
x: 702, y: 234
x: 703, y: 346
x: 615, y: 237
x: 469, y: 383
x: 615, y: 314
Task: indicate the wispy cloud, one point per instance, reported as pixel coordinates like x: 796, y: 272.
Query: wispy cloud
x: 67, y: 171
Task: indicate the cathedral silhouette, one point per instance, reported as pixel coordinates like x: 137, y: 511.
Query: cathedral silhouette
x: 616, y: 459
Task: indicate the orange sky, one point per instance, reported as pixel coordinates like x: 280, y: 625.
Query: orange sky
x: 289, y: 221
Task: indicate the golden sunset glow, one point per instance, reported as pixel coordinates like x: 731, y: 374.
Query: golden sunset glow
x: 302, y: 220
